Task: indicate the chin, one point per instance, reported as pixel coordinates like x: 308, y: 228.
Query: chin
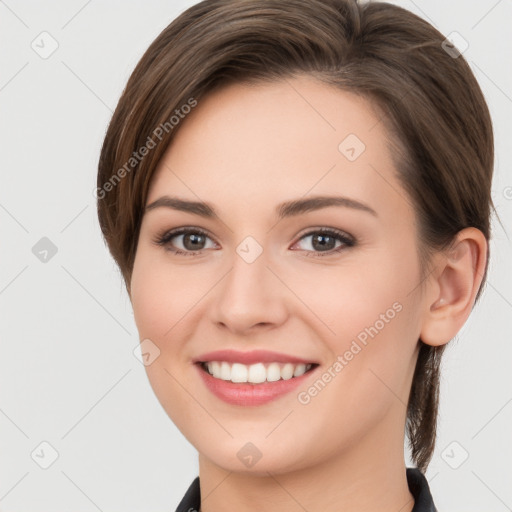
x: 255, y: 458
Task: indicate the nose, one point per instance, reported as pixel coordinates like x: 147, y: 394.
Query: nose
x: 250, y: 297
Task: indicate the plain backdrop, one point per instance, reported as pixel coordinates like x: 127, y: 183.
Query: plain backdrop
x: 73, y: 396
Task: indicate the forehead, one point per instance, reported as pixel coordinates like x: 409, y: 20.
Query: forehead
x: 279, y: 140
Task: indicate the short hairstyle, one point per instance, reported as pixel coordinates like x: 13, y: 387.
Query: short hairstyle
x: 431, y: 105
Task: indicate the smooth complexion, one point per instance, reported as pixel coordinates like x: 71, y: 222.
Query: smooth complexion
x: 245, y: 150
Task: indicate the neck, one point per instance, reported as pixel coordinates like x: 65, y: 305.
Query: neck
x: 371, y: 477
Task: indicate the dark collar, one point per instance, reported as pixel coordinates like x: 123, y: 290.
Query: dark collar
x: 419, y: 488
x: 417, y: 482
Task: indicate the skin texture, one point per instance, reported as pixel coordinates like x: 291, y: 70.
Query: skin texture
x: 245, y: 149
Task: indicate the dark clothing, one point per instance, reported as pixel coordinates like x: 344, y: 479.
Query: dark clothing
x: 418, y: 486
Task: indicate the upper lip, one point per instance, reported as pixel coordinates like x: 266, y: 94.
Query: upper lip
x: 254, y: 356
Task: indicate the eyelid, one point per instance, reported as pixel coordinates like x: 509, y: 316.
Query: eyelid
x: 326, y: 229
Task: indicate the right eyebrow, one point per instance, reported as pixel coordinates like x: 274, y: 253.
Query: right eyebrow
x: 184, y: 205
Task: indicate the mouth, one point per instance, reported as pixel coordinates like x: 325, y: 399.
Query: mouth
x: 256, y: 373
x: 251, y: 378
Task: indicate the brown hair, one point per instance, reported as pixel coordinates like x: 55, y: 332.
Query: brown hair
x: 430, y: 100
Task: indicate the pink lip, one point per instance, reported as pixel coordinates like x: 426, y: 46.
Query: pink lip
x: 254, y: 356
x: 249, y: 394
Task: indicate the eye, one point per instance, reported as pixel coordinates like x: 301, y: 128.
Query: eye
x: 192, y: 240
x: 324, y: 241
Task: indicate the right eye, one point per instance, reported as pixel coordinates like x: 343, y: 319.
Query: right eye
x: 192, y: 240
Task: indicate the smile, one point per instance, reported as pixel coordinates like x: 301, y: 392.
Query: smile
x: 255, y: 373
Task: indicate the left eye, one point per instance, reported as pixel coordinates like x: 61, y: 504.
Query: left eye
x: 193, y: 241
x: 324, y: 241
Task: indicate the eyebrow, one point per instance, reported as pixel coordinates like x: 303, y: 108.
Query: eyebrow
x: 283, y: 210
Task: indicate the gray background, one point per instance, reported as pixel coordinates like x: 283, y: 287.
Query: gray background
x: 68, y: 374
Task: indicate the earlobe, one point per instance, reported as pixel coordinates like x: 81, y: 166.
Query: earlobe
x: 453, y: 288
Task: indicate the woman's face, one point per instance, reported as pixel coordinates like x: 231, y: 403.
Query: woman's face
x: 334, y: 285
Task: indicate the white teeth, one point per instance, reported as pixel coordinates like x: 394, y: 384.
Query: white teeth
x: 300, y: 369
x: 214, y: 367
x: 255, y: 373
x: 225, y: 371
x: 239, y: 373
x: 273, y: 372
x: 287, y: 371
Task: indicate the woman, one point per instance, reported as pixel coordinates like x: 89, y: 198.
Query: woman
x: 297, y: 194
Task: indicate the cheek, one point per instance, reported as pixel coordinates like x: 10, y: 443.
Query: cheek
x: 370, y: 370
x: 158, y: 305
x: 161, y: 296
x: 364, y: 292
x: 148, y: 301
x: 373, y: 321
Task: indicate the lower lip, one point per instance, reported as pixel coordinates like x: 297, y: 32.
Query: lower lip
x: 250, y: 394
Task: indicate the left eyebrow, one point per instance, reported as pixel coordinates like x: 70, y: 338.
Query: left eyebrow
x: 299, y: 206
x: 286, y: 209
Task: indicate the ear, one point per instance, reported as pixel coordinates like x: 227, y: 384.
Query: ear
x: 453, y: 286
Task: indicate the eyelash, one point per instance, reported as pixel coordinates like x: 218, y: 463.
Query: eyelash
x: 347, y: 241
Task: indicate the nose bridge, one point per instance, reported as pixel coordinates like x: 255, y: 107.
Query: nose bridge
x: 250, y: 294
